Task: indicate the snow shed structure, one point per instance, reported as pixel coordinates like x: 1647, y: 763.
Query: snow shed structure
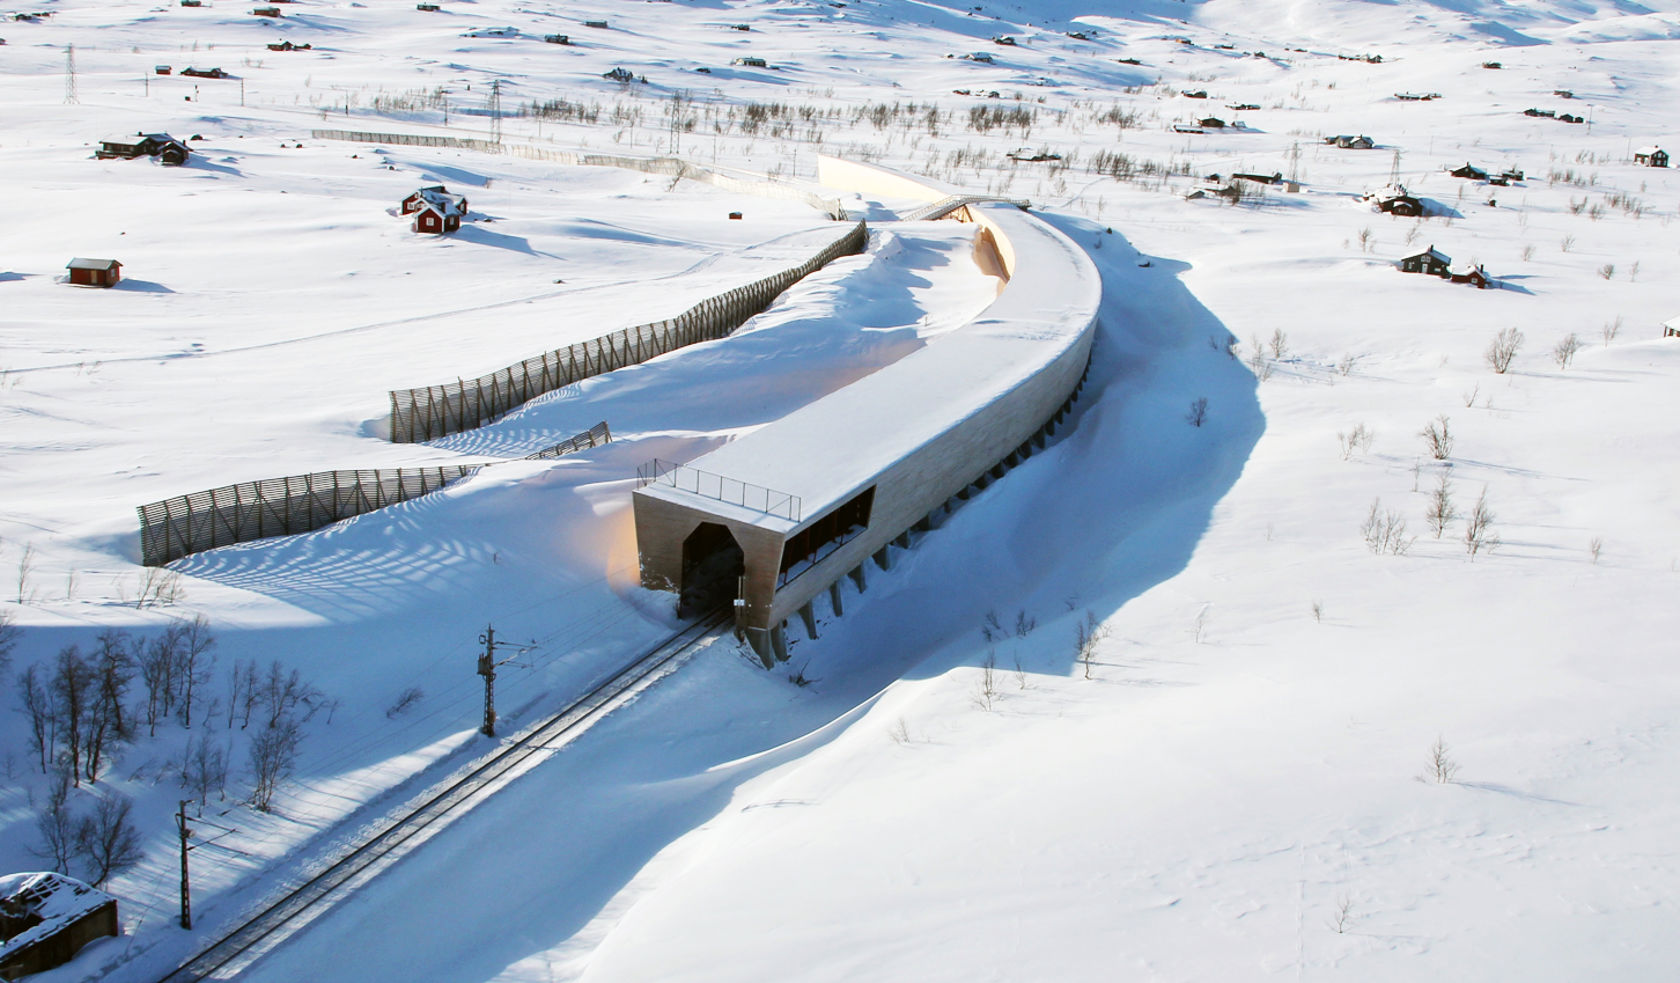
x: 773, y: 519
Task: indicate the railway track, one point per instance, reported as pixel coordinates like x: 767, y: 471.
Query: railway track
x: 396, y: 835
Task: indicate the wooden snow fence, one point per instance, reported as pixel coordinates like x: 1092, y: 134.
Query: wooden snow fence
x: 249, y: 510
x: 430, y: 412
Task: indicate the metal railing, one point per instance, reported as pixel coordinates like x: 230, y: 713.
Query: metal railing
x: 720, y: 488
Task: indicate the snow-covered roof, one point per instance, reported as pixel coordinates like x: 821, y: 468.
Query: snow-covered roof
x: 53, y: 898
x: 1431, y: 252
x: 829, y: 450
x: 80, y: 263
x: 1648, y: 151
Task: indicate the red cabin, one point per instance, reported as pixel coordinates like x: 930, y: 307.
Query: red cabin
x: 94, y: 272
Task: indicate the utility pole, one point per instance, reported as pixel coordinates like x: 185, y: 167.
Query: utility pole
x: 186, y: 886
x: 487, y: 664
x: 495, y: 110
x: 487, y: 669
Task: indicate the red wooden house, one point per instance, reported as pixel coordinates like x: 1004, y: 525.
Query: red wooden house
x: 94, y: 272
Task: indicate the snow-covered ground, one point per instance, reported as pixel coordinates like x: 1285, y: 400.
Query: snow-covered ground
x: 1233, y: 787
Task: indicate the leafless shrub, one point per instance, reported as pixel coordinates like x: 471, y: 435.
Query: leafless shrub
x: 1365, y: 239
x: 9, y: 634
x: 1197, y: 414
x: 1470, y: 397
x: 1318, y: 611
x: 1503, y: 350
x: 205, y: 769
x: 1595, y: 547
x: 985, y: 693
x: 1258, y: 363
x: 992, y: 628
x: 1442, y: 768
x: 55, y: 824
x: 1198, y: 625
x: 1607, y: 271
x: 107, y: 838
x: 1563, y: 353
x: 1527, y: 253
x: 1357, y: 439
x: 1088, y: 636
x: 1341, y: 919
x: 1437, y: 436
x: 1440, y: 511
x: 159, y: 587
x: 404, y: 702
x: 1478, y: 528
x: 1279, y: 344
x: 273, y: 756
x: 25, y: 566
x: 1566, y: 243
x: 900, y: 732
x: 1610, y: 330
x: 1385, y: 531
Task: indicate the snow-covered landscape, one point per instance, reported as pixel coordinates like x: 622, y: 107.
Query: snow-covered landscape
x: 1331, y: 636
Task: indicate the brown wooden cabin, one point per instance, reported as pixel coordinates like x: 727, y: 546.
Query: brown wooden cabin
x: 164, y: 147
x: 1473, y: 275
x: 46, y: 918
x: 94, y: 272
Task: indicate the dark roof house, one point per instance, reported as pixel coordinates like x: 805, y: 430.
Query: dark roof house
x: 1349, y: 141
x: 1431, y: 261
x: 160, y: 145
x: 1468, y: 170
x: 46, y: 918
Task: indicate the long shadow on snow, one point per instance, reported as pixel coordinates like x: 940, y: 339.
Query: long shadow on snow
x: 1118, y: 506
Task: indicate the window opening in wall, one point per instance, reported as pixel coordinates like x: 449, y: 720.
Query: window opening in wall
x: 812, y: 544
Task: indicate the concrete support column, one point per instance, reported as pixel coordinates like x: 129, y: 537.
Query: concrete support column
x: 834, y: 598
x: 778, y: 643
x: 809, y: 616
x: 882, y: 560
x: 857, y: 578
x: 902, y: 541
x: 759, y: 639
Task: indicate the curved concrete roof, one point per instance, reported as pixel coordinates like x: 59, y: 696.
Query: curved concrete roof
x: 830, y: 449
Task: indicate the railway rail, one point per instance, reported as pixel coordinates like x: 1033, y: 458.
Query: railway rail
x: 395, y: 836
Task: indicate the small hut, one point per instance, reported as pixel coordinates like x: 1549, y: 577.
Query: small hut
x: 1651, y: 156
x: 46, y: 918
x: 94, y: 272
x: 439, y: 214
x: 1471, y: 274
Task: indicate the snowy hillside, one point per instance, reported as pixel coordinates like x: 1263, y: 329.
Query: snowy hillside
x: 1306, y: 736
